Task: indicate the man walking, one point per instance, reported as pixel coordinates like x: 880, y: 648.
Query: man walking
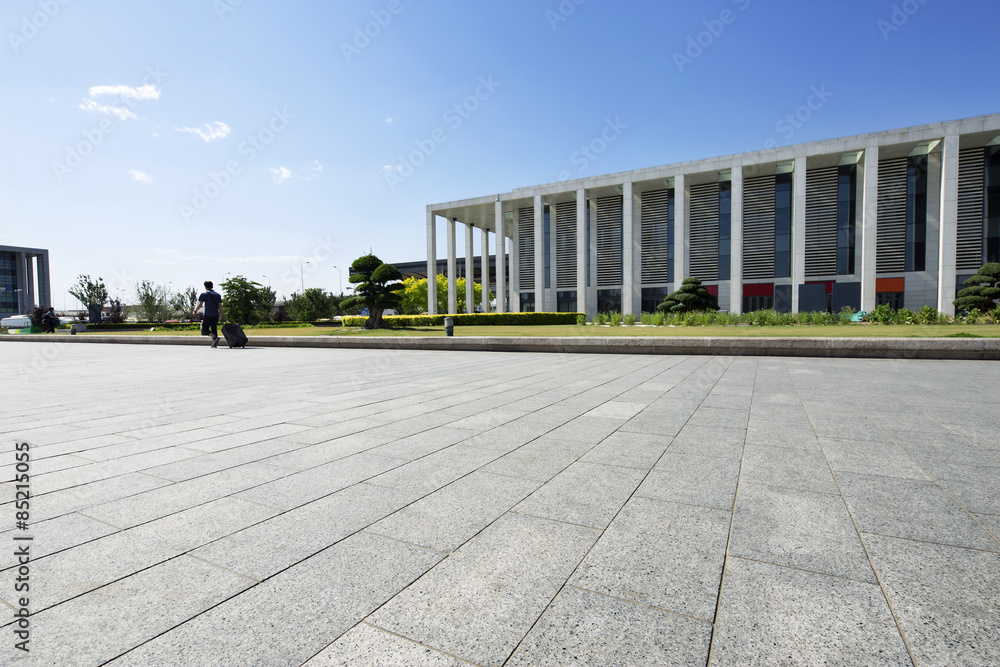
x: 50, y: 320
x: 213, y: 311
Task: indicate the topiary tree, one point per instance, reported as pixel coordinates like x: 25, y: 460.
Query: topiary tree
x: 981, y: 290
x: 692, y: 296
x: 378, y: 288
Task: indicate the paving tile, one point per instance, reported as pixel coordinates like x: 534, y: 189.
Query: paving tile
x: 800, y: 529
x: 450, y: 516
x: 661, y: 554
x: 806, y: 470
x: 367, y: 645
x: 421, y: 444
x: 944, y: 597
x: 480, y: 602
x: 658, y: 422
x: 584, y: 628
x: 912, y: 509
x: 78, y: 498
x: 109, y: 621
x: 587, y: 494
x: 587, y: 430
x: 60, y: 533
x: 709, y: 441
x: 433, y: 471
x: 719, y: 418
x: 265, y: 548
x: 541, y: 459
x: 694, y: 480
x: 215, y: 462
x: 629, y: 450
x: 308, y: 485
x: 865, y: 456
x: 772, y: 615
x: 320, y: 598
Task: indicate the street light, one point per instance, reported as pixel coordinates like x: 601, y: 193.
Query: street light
x: 340, y: 279
x: 268, y: 282
x: 302, y: 277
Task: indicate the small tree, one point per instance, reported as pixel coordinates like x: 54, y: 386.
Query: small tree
x: 89, y: 291
x: 246, y: 301
x: 378, y: 288
x: 692, y: 296
x: 151, y: 301
x: 981, y: 290
x: 185, y: 301
x: 117, y: 311
x: 313, y: 304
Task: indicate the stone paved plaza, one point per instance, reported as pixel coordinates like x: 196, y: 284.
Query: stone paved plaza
x: 278, y: 506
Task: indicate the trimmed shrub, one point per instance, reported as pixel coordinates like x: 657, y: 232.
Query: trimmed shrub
x: 616, y: 319
x: 470, y: 319
x: 628, y: 319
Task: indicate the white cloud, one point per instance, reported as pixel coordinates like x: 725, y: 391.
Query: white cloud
x: 158, y: 262
x: 265, y: 259
x: 281, y: 174
x: 216, y: 130
x: 107, y: 109
x: 146, y: 92
x: 316, y: 166
x: 390, y: 168
x: 389, y: 120
x: 140, y: 176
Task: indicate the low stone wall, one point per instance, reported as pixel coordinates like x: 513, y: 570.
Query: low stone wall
x: 884, y: 348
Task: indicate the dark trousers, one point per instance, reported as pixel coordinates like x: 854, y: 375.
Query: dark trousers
x: 210, y: 325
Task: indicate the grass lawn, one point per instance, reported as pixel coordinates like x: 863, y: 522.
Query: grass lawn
x: 830, y: 331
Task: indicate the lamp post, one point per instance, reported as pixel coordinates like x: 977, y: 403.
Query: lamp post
x: 302, y: 277
x: 340, y: 279
x: 268, y: 282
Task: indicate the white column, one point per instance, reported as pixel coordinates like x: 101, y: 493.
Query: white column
x: 484, y: 261
x: 500, y: 250
x: 798, y: 229
x: 515, y: 269
x: 592, y: 289
x: 432, y: 299
x: 44, y: 283
x: 470, y: 272
x: 29, y: 267
x: 452, y: 289
x: 948, y: 243
x: 628, y: 249
x: 869, y: 225
x: 736, y: 236
x: 539, y: 254
x: 23, y: 279
x: 581, y: 251
x: 680, y: 231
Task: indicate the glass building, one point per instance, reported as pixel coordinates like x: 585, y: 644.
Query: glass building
x: 24, y: 280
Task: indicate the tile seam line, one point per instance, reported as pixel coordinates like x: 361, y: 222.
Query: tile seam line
x: 732, y: 522
x: 620, y: 509
x: 857, y: 529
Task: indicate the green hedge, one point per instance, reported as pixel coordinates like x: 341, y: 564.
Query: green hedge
x: 196, y: 326
x: 468, y: 320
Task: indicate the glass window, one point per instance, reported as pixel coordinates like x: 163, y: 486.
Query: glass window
x: 609, y: 300
x: 566, y: 302
x: 548, y: 249
x: 652, y: 297
x: 527, y: 302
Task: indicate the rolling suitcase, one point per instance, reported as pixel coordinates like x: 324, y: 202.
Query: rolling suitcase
x: 233, y: 333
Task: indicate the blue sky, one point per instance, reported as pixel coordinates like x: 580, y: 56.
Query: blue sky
x: 186, y: 140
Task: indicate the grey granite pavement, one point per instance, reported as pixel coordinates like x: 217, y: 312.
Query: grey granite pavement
x: 281, y: 506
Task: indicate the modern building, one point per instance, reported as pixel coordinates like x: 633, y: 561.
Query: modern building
x: 24, y: 280
x: 899, y: 217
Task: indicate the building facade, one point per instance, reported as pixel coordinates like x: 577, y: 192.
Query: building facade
x: 900, y: 217
x: 24, y: 280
